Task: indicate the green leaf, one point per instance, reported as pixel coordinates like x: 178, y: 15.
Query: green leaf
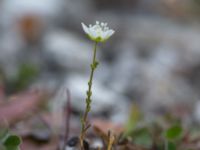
x: 173, y: 132
x: 12, y: 141
x: 134, y: 117
x: 171, y: 146
x: 26, y: 74
x: 143, y: 137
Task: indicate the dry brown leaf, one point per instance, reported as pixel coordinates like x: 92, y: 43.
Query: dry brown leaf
x: 106, y: 126
x: 20, y: 106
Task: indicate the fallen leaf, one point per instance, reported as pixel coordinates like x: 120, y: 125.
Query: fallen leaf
x: 20, y: 106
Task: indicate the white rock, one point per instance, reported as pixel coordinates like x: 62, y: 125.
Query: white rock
x: 124, y: 69
x: 10, y: 44
x: 12, y: 9
x: 102, y: 97
x: 68, y: 50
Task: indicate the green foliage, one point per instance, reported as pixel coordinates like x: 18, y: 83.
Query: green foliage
x: 12, y: 142
x: 26, y: 74
x: 151, y: 133
x: 173, y: 133
x: 171, y: 145
x: 139, y: 134
x: 142, y: 137
x: 134, y: 118
x: 9, y: 141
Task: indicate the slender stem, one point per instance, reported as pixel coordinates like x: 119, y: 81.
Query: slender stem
x: 88, y: 98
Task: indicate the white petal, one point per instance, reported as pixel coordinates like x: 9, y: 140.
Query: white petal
x: 108, y: 34
x: 105, y: 35
x: 91, y: 33
x: 111, y: 32
x: 98, y: 32
x: 85, y: 28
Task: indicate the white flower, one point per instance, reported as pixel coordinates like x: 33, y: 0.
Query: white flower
x: 98, y: 32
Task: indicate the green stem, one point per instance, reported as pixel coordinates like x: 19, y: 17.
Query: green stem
x: 88, y: 98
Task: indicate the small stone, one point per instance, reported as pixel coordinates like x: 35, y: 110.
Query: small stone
x: 72, y: 142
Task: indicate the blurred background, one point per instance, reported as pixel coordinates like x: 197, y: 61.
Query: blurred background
x: 153, y: 59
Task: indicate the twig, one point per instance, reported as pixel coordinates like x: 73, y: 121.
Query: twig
x: 111, y: 141
x: 67, y: 113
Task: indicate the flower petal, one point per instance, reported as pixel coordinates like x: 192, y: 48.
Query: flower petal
x: 85, y: 28
x: 98, y: 32
x: 111, y: 32
x: 108, y: 34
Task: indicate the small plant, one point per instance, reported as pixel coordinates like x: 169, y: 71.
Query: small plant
x: 9, y: 141
x: 172, y: 136
x: 97, y: 33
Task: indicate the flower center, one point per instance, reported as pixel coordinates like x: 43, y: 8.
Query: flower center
x: 100, y: 27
